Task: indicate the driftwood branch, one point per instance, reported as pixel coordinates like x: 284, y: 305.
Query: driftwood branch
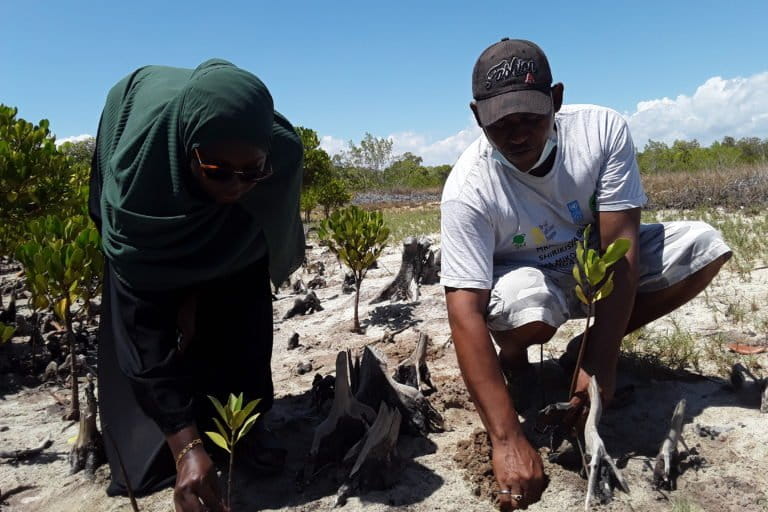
x: 602, y: 469
x: 665, y: 470
x: 27, y: 453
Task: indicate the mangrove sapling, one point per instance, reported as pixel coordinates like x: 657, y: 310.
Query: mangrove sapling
x: 62, y: 260
x: 238, y: 420
x: 592, y: 285
x: 357, y: 237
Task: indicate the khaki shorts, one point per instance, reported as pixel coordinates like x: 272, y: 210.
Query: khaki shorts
x: 669, y: 252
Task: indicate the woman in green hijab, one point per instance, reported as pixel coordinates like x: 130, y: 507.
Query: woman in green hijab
x: 195, y: 189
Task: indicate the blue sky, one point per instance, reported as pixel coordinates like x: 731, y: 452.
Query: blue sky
x: 401, y: 69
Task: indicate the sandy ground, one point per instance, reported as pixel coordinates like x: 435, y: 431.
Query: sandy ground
x: 446, y: 471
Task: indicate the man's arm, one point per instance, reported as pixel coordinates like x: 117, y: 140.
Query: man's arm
x: 612, y: 313
x: 478, y: 362
x: 517, y: 466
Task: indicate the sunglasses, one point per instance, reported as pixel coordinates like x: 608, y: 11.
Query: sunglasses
x: 223, y: 174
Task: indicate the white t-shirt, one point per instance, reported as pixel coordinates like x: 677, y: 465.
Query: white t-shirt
x: 493, y: 217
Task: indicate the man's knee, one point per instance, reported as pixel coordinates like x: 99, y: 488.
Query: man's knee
x: 532, y: 333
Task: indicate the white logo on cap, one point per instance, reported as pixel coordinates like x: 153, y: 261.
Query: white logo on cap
x: 505, y: 68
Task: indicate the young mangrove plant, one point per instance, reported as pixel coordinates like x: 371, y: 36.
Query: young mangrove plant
x: 357, y: 237
x: 238, y: 420
x: 63, y: 264
x: 592, y: 284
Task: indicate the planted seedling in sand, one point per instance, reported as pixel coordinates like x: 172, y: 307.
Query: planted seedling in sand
x: 238, y: 420
x: 592, y: 284
x: 357, y: 237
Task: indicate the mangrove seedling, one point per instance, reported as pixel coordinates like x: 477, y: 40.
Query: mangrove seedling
x: 357, y: 237
x: 238, y: 420
x: 592, y: 284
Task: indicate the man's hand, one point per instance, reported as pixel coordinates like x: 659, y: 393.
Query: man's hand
x: 518, y: 468
x: 606, y: 381
x: 197, y: 486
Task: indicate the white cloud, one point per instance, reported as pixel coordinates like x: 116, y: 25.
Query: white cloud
x: 332, y: 145
x: 737, y: 107
x: 442, y: 151
x: 438, y: 152
x: 73, y: 138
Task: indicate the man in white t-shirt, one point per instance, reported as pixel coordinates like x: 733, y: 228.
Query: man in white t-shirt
x: 512, y: 210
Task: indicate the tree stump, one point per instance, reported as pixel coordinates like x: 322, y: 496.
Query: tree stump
x: 375, y: 456
x: 346, y: 423
x: 299, y: 287
x: 309, y: 304
x: 88, y: 452
x: 376, y: 386
x: 413, y: 371
x: 417, y: 261
x: 317, y: 282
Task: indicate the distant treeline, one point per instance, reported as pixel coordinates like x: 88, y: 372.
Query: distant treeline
x: 685, y: 155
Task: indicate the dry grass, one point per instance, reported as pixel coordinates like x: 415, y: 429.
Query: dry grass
x: 738, y: 187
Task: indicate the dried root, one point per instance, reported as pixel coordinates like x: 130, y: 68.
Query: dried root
x: 666, y: 469
x: 603, y: 472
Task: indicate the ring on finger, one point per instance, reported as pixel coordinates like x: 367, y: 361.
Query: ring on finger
x: 511, y: 494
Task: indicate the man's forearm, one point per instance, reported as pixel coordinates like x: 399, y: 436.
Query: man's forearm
x: 482, y: 374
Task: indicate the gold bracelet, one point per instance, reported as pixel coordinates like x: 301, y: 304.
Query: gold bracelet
x: 186, y: 449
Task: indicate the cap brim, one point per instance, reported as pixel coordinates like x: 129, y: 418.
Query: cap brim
x: 492, y: 109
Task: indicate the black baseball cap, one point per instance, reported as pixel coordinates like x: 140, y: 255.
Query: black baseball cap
x: 511, y: 76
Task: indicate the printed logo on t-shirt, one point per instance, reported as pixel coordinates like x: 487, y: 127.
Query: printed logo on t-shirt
x: 538, y: 236
x: 548, y: 229
x: 575, y: 210
x: 519, y: 240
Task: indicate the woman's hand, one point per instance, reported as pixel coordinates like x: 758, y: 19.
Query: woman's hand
x: 197, y: 486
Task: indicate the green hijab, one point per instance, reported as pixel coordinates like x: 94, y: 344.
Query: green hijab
x: 159, y: 229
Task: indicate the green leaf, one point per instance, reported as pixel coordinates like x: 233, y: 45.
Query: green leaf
x: 606, y: 289
x: 577, y: 275
x: 222, y: 430
x: 239, y: 402
x: 580, y: 295
x: 219, y: 408
x: 247, y: 426
x: 596, y: 272
x: 580, y: 254
x: 6, y: 332
x: 62, y: 309
x: 219, y: 440
x: 616, y: 251
x: 231, y: 402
